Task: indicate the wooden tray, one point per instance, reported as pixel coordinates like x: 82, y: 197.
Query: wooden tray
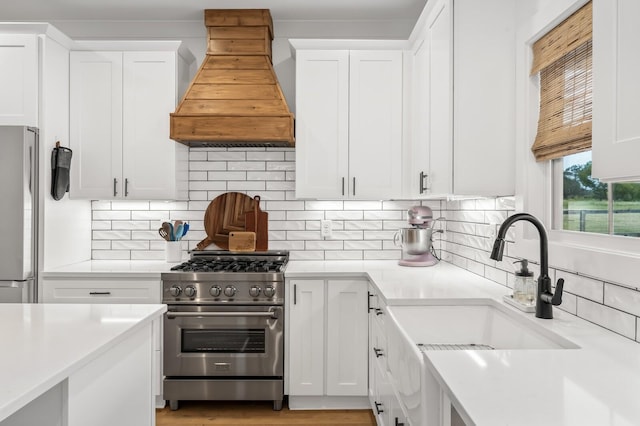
x: 225, y: 214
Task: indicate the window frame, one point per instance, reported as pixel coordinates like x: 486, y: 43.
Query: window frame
x: 607, y: 257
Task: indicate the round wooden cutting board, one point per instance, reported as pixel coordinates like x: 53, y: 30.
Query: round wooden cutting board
x: 225, y: 213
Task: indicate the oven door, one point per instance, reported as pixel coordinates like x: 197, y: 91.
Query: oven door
x: 223, y: 341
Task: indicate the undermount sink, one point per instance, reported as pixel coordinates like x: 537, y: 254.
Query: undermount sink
x: 482, y: 325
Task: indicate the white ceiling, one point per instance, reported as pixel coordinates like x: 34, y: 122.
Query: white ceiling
x: 179, y: 10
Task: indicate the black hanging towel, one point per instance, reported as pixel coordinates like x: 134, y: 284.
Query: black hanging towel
x: 60, y: 166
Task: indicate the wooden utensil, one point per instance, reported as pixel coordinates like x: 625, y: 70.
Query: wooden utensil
x: 166, y: 226
x: 258, y: 221
x: 163, y: 234
x: 225, y: 214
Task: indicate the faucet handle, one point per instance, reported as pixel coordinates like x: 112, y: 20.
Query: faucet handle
x: 557, y: 295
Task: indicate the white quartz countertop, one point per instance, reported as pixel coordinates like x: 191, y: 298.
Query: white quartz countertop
x: 111, y: 268
x: 597, y: 384
x: 43, y: 344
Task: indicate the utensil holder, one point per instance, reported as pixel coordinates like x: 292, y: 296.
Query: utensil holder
x: 173, y: 251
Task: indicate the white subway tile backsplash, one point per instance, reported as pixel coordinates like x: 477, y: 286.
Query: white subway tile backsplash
x: 241, y: 186
x: 323, y: 245
x: 101, y: 245
x: 363, y: 245
x: 101, y: 225
x: 347, y: 235
x: 111, y: 215
x: 221, y: 157
x: 130, y: 245
x: 285, y: 205
x: 285, y: 166
x: 207, y: 186
x: 363, y: 224
x: 100, y: 205
x: 612, y: 319
x: 303, y: 235
x: 622, y: 298
x: 363, y: 205
x: 111, y: 235
x: 266, y: 176
x: 287, y: 225
x: 266, y: 156
x: 226, y: 176
x: 384, y: 215
x: 343, y: 215
x: 585, y: 287
x: 361, y: 229
x: 304, y: 215
x: 129, y: 224
x: 203, y: 166
x: 323, y: 205
x: 343, y: 255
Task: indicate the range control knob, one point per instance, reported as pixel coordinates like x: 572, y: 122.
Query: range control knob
x: 255, y: 290
x: 229, y: 291
x: 269, y: 291
x: 215, y: 291
x: 190, y: 291
x: 175, y: 290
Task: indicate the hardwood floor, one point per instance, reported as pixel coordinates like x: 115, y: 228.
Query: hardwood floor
x: 200, y: 413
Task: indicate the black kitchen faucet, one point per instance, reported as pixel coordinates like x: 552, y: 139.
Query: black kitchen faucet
x: 545, y: 299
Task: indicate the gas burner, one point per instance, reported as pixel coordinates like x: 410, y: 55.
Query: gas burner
x: 230, y: 265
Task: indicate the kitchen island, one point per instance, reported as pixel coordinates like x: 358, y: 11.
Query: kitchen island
x: 80, y: 364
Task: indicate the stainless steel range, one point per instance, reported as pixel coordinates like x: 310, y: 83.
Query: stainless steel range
x: 224, y: 328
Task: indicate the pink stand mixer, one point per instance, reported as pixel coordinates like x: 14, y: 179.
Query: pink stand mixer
x: 416, y: 241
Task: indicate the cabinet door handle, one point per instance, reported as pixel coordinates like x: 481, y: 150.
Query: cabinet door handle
x: 115, y: 183
x: 295, y: 294
x: 379, y: 311
x: 378, y: 352
x: 378, y: 409
x: 422, y: 175
x: 354, y: 186
x: 369, y: 308
x: 397, y: 423
x: 99, y: 293
x: 343, y: 186
x: 126, y: 187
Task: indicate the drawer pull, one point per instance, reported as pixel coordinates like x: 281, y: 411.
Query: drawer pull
x: 397, y: 423
x: 379, y: 311
x: 99, y: 293
x: 378, y: 352
x: 378, y: 409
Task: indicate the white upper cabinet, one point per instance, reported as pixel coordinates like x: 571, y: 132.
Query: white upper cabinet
x: 120, y: 106
x: 348, y: 123
x: 616, y: 90
x: 19, y: 83
x: 463, y: 96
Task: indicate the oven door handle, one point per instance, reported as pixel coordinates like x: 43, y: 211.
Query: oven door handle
x: 270, y: 314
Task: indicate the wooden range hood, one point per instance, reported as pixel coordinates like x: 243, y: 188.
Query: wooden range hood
x: 235, y: 98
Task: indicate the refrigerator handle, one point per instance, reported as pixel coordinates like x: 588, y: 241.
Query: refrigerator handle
x: 30, y: 170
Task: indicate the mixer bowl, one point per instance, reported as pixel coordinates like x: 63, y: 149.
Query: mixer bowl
x: 414, y: 240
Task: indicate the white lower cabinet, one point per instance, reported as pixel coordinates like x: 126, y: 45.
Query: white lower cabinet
x: 383, y: 395
x: 112, y: 290
x: 327, y: 341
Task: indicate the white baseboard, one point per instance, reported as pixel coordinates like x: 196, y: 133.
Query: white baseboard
x: 329, y: 403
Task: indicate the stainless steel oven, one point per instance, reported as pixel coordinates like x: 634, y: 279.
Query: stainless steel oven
x: 224, y: 330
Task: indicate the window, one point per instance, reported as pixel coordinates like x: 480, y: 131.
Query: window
x: 588, y: 205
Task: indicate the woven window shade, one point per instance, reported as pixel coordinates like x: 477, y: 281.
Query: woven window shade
x: 564, y: 59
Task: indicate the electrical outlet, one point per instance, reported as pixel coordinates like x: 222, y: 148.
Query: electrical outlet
x: 325, y: 228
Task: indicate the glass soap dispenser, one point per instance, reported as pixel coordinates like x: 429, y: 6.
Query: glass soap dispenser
x: 524, y: 289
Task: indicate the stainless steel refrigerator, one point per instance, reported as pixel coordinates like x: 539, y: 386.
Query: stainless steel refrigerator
x: 18, y: 214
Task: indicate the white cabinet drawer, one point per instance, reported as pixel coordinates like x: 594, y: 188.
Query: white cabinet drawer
x: 106, y: 290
